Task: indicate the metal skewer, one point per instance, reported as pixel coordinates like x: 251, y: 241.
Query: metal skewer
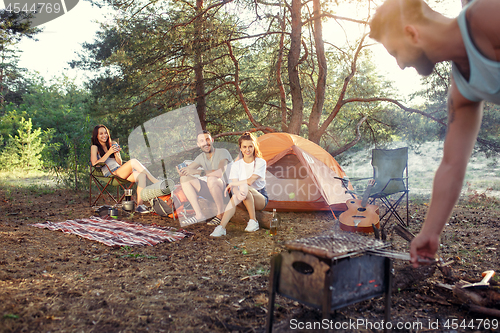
x: 400, y: 256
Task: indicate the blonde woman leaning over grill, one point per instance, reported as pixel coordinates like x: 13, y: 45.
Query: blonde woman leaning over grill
x: 248, y: 184
x: 103, y: 151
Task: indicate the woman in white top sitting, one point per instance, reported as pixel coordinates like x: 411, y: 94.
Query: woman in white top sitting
x: 103, y: 150
x: 248, y: 184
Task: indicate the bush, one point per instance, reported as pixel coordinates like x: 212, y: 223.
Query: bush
x: 23, y: 151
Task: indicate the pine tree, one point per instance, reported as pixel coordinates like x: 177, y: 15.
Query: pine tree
x: 23, y: 151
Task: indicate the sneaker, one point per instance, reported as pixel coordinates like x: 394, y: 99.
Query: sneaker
x: 142, y: 209
x: 218, y: 231
x: 191, y: 220
x: 214, y: 221
x: 252, y: 226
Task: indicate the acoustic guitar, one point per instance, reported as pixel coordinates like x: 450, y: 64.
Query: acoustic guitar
x: 359, y: 216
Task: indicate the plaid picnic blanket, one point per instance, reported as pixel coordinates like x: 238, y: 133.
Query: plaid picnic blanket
x: 116, y: 233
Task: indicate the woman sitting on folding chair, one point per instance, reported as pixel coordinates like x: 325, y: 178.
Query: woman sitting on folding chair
x: 248, y: 184
x: 104, y: 151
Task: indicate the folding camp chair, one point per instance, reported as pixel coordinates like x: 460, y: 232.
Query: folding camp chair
x: 103, y: 183
x: 391, y: 187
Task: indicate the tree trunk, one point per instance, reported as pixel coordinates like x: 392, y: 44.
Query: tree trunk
x: 317, y: 109
x: 2, y: 98
x: 201, y: 105
x: 284, y: 124
x: 75, y: 151
x: 293, y: 69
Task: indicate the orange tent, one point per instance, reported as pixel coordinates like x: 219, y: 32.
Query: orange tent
x: 301, y: 175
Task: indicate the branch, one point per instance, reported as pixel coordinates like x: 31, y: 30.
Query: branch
x: 489, y: 144
x: 347, y: 80
x: 264, y: 129
x: 354, y: 141
x: 214, y: 5
x: 335, y: 17
x: 306, y: 53
x: 237, y: 86
x: 390, y: 100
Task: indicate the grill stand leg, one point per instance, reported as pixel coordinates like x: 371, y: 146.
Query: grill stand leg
x: 326, y: 307
x: 273, y: 288
x: 388, y: 290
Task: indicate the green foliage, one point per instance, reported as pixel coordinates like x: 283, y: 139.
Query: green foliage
x: 13, y: 83
x: 13, y: 27
x: 490, y: 131
x: 147, y: 66
x: 24, y: 151
x: 147, y: 62
x: 435, y: 93
x: 60, y: 109
x: 382, y: 122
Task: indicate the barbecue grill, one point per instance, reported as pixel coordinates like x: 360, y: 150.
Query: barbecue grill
x: 331, y: 271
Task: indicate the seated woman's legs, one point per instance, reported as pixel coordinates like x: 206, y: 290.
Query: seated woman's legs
x: 254, y: 201
x: 230, y: 210
x: 127, y: 169
x: 140, y: 179
x: 135, y: 172
x: 259, y: 199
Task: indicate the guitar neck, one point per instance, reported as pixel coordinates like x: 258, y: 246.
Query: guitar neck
x: 366, y: 195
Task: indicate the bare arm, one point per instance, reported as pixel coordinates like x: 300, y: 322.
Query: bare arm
x: 93, y: 155
x: 260, y: 168
x: 252, y: 179
x: 118, y: 157
x: 191, y: 169
x: 464, y: 121
x: 236, y: 182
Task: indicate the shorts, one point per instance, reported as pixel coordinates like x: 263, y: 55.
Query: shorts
x: 204, y: 190
x: 106, y: 173
x: 264, y: 193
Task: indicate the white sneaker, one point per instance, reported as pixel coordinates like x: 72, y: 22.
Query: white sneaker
x: 218, y: 231
x: 252, y: 226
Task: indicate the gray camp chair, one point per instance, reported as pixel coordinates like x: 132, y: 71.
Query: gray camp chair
x: 390, y: 171
x: 104, y: 183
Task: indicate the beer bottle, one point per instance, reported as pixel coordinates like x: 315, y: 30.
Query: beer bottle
x: 275, y: 222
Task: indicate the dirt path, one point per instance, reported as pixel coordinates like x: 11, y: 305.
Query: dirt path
x: 54, y: 282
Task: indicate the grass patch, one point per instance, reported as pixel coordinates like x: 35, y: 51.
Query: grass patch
x: 480, y: 199
x: 10, y: 316
x: 127, y: 248
x: 419, y: 198
x: 489, y: 185
x: 137, y: 255
x: 482, y: 173
x: 33, y: 181
x: 259, y: 270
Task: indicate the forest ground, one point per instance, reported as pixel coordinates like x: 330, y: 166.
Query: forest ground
x: 56, y: 282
